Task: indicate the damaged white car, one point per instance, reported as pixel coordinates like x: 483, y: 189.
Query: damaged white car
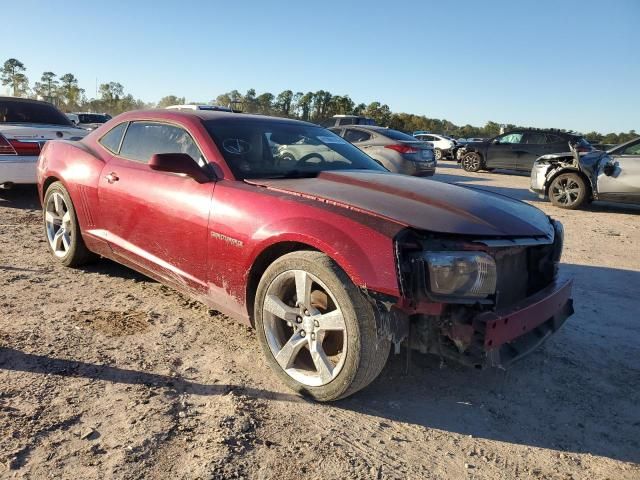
x: 572, y: 179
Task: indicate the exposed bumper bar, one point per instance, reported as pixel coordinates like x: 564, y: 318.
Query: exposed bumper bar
x: 511, y: 334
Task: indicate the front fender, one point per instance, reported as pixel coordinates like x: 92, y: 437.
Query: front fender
x: 366, y: 257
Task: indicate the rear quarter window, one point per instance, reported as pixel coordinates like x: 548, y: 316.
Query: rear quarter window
x: 396, y: 135
x: 111, y: 140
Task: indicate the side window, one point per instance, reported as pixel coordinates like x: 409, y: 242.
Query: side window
x: 511, y: 138
x: 555, y: 139
x: 632, y: 149
x: 337, y: 131
x: 111, y: 140
x: 535, y: 138
x: 144, y: 139
x: 355, y: 136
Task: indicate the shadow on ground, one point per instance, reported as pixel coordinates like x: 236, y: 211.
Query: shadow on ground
x: 23, y: 197
x: 577, y: 393
x: 11, y: 359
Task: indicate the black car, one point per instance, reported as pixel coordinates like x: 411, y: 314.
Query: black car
x: 518, y: 149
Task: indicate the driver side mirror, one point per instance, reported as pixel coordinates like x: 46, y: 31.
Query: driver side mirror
x: 179, y: 163
x: 609, y: 169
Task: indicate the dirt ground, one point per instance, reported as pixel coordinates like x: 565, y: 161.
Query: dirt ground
x: 107, y: 374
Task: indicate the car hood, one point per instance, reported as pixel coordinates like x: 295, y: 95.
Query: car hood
x: 420, y: 203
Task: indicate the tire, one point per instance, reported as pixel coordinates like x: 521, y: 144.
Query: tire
x: 61, y: 228
x: 437, y: 154
x: 471, y: 162
x: 568, y: 190
x: 350, y: 347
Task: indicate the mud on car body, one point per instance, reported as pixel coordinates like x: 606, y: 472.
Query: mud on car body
x: 329, y: 256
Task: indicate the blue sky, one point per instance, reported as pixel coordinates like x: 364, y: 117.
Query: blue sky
x: 565, y: 64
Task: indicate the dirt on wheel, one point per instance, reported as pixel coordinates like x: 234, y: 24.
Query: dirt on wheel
x: 105, y: 373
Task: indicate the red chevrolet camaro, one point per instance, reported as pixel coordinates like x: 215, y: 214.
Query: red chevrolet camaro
x: 332, y: 258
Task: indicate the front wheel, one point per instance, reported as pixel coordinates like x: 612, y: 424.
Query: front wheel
x: 316, y: 328
x: 568, y: 191
x: 471, y: 162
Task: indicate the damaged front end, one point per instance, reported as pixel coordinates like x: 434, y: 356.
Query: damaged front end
x: 480, y: 302
x: 548, y: 166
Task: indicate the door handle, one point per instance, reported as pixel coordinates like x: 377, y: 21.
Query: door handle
x: 112, y: 177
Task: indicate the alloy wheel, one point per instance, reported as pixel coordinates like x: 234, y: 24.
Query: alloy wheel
x: 565, y: 191
x: 58, y: 224
x: 305, y: 328
x: 471, y: 162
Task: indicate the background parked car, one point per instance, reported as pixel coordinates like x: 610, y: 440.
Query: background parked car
x: 214, y: 108
x: 518, y: 149
x: 87, y: 120
x: 572, y: 180
x: 25, y: 125
x: 339, y: 120
x: 394, y: 150
x: 443, y: 146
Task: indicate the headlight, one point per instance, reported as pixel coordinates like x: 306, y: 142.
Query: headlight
x: 461, y: 274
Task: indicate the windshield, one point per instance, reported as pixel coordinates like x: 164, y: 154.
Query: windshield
x: 20, y: 111
x: 261, y: 149
x: 93, y: 118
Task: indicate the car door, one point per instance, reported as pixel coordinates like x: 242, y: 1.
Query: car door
x: 501, y: 152
x: 533, y: 145
x: 621, y: 182
x: 156, y: 221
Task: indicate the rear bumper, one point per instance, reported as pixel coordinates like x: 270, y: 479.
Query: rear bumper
x: 419, y: 169
x: 18, y: 169
x: 513, y: 333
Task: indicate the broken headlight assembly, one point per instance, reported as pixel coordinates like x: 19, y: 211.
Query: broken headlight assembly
x: 468, y: 275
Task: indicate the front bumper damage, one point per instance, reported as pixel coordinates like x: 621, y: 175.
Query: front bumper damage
x: 496, y: 338
x: 511, y: 334
x: 531, y: 303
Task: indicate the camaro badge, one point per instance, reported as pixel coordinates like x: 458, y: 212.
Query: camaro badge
x: 231, y: 241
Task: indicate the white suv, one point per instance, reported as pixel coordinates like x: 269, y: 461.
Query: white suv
x: 441, y: 145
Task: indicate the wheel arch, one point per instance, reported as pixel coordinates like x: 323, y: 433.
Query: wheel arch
x: 262, y: 261
x: 559, y: 171
x: 47, y: 183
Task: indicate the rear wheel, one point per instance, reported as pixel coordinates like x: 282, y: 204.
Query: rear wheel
x: 471, y: 162
x: 437, y: 153
x: 317, y: 330
x: 568, y: 191
x: 62, y: 229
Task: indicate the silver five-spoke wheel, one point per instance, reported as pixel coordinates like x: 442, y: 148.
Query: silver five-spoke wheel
x: 304, y: 327
x: 316, y: 327
x: 58, y: 224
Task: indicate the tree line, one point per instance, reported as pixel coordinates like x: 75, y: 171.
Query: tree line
x: 64, y: 92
